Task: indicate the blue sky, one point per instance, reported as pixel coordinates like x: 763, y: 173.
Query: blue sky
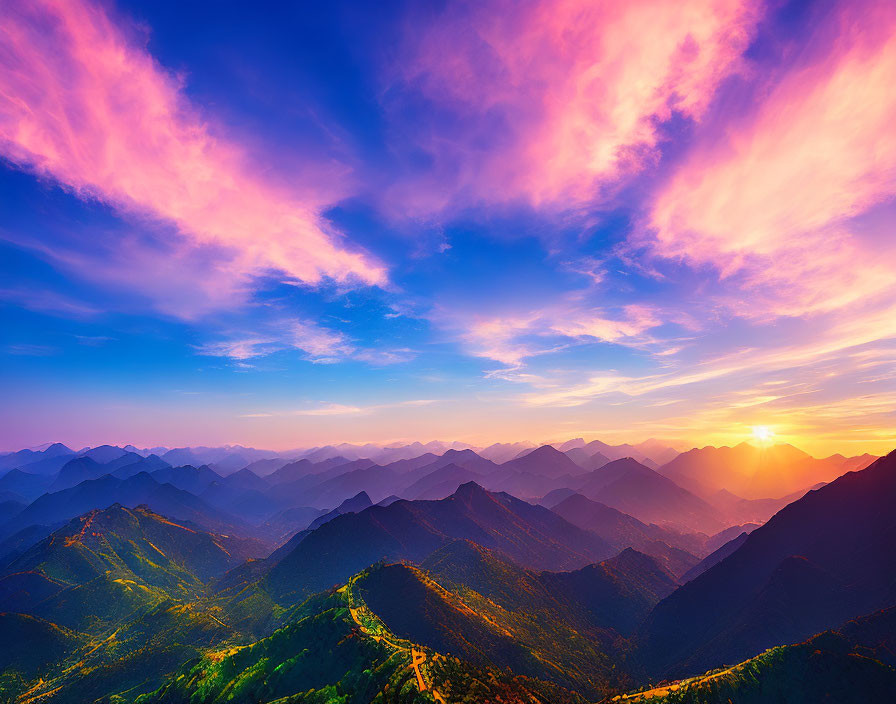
x: 368, y: 223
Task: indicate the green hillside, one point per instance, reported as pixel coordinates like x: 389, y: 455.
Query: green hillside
x: 538, y: 637
x: 338, y: 651
x: 115, y: 602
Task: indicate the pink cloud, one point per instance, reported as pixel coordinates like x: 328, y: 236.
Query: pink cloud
x: 83, y: 104
x: 511, y: 339
x: 566, y: 95
x: 774, y: 200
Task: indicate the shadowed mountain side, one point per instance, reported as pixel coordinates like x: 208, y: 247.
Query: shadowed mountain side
x: 823, y: 559
x: 461, y: 458
x: 285, y: 525
x: 501, y: 452
x: 616, y: 593
x: 411, y: 530
x: 622, y: 531
x: 358, y: 502
x: 76, y: 471
x: 123, y: 466
x: 31, y: 646
x: 25, y: 484
x: 714, y: 558
x: 325, y: 488
x: 716, y: 541
x: 618, y: 452
x: 264, y: 468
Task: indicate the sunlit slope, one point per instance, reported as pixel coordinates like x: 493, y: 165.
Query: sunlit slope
x: 569, y: 628
x: 107, y: 564
x: 114, y: 602
x: 338, y: 650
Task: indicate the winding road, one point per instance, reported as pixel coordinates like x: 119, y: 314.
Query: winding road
x: 418, y: 657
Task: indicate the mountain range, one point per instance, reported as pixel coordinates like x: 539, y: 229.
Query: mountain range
x: 553, y: 573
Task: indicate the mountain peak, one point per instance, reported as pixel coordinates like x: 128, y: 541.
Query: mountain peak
x: 545, y: 451
x: 469, y: 491
x: 57, y: 448
x: 570, y: 444
x: 356, y: 503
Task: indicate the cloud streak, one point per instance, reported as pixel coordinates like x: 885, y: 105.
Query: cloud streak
x: 511, y: 339
x: 773, y: 200
x: 319, y: 345
x: 83, y: 104
x: 567, y: 95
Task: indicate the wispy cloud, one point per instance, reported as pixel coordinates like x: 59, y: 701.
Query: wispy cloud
x: 31, y: 350
x: 46, y: 301
x: 239, y: 349
x: 329, y: 409
x: 320, y: 345
x: 568, y: 95
x: 772, y: 199
x: 512, y: 339
x: 340, y: 409
x: 83, y: 104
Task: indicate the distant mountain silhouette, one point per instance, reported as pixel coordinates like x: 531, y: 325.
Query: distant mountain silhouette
x: 544, y: 461
x: 441, y: 482
x: 821, y: 560
x: 622, y: 531
x: 618, y: 452
x: 47, y: 461
x: 165, y: 499
x: 76, y: 471
x: 104, y: 453
x: 189, y: 478
x: 755, y: 472
x: 631, y: 487
x: 503, y: 451
x: 25, y: 484
x: 586, y: 461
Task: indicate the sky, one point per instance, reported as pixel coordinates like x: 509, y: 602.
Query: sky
x: 292, y: 224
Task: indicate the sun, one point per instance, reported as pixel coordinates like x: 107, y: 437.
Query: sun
x: 762, y: 433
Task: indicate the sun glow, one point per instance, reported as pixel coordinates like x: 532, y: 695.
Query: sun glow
x: 762, y: 433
